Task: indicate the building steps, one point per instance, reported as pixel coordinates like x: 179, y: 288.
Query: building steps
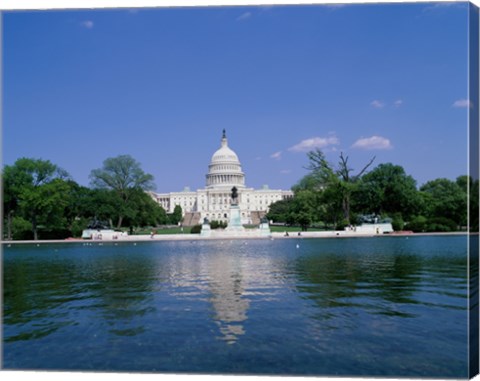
x: 191, y: 219
x: 256, y: 216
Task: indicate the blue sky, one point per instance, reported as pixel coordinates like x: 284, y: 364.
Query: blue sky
x: 388, y: 80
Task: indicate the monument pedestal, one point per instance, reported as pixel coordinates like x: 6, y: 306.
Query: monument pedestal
x: 235, y: 222
x: 264, y: 229
x: 206, y: 230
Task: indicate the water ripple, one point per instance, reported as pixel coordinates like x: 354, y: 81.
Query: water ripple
x: 330, y: 307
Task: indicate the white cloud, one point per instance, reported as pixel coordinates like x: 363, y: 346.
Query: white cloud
x: 398, y: 103
x: 444, y: 5
x: 87, y: 24
x: 266, y: 8
x: 315, y: 142
x: 244, y: 16
x: 334, y: 6
x: 373, y: 143
x: 285, y: 171
x: 377, y: 104
x: 462, y: 103
x: 276, y: 155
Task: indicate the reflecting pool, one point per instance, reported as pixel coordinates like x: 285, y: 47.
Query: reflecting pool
x: 385, y: 306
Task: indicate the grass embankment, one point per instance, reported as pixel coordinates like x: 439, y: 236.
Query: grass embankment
x: 294, y: 229
x: 165, y: 230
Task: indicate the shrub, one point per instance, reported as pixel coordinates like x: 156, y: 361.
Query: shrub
x: 78, y: 226
x: 417, y: 224
x: 218, y: 224
x: 441, y: 224
x: 54, y: 233
x: 21, y: 228
x: 196, y: 229
x: 341, y: 225
x: 397, y: 222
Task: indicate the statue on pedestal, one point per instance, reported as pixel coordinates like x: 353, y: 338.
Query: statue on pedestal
x: 205, y: 230
x: 264, y: 227
x: 234, y: 196
x: 97, y: 225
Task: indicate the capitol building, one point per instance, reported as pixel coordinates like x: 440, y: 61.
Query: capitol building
x: 213, y: 202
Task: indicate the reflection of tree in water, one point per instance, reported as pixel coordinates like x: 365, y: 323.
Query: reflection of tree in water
x: 124, y: 284
x: 380, y: 283
x: 34, y: 291
x: 42, y: 291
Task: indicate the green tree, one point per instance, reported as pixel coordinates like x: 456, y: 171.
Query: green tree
x: 77, y: 204
x: 464, y: 182
x: 445, y: 199
x: 474, y: 206
x: 321, y: 171
x: 176, y: 216
x: 45, y: 206
x: 331, y: 207
x: 36, y: 190
x: 123, y: 175
x: 21, y: 229
x: 13, y: 181
x: 309, y: 182
x: 387, y: 189
x: 279, y: 210
x: 470, y: 187
x: 102, y: 204
x: 397, y: 222
x: 339, y: 180
x: 417, y: 224
x: 303, y: 209
x: 144, y: 211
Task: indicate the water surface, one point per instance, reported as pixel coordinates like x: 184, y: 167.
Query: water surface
x: 385, y: 306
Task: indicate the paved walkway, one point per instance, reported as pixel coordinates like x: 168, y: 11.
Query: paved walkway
x: 225, y: 235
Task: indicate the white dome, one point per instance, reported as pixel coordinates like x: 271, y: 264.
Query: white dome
x: 224, y: 154
x: 225, y: 170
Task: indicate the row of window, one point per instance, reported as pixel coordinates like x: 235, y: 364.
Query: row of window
x: 213, y: 200
x: 219, y: 215
x: 223, y: 199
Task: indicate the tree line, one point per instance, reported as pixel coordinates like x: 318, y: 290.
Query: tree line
x: 42, y: 201
x: 333, y: 197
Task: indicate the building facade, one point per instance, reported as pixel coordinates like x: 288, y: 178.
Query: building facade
x: 213, y: 201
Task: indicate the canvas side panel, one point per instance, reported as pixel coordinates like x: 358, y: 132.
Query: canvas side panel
x: 473, y: 189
